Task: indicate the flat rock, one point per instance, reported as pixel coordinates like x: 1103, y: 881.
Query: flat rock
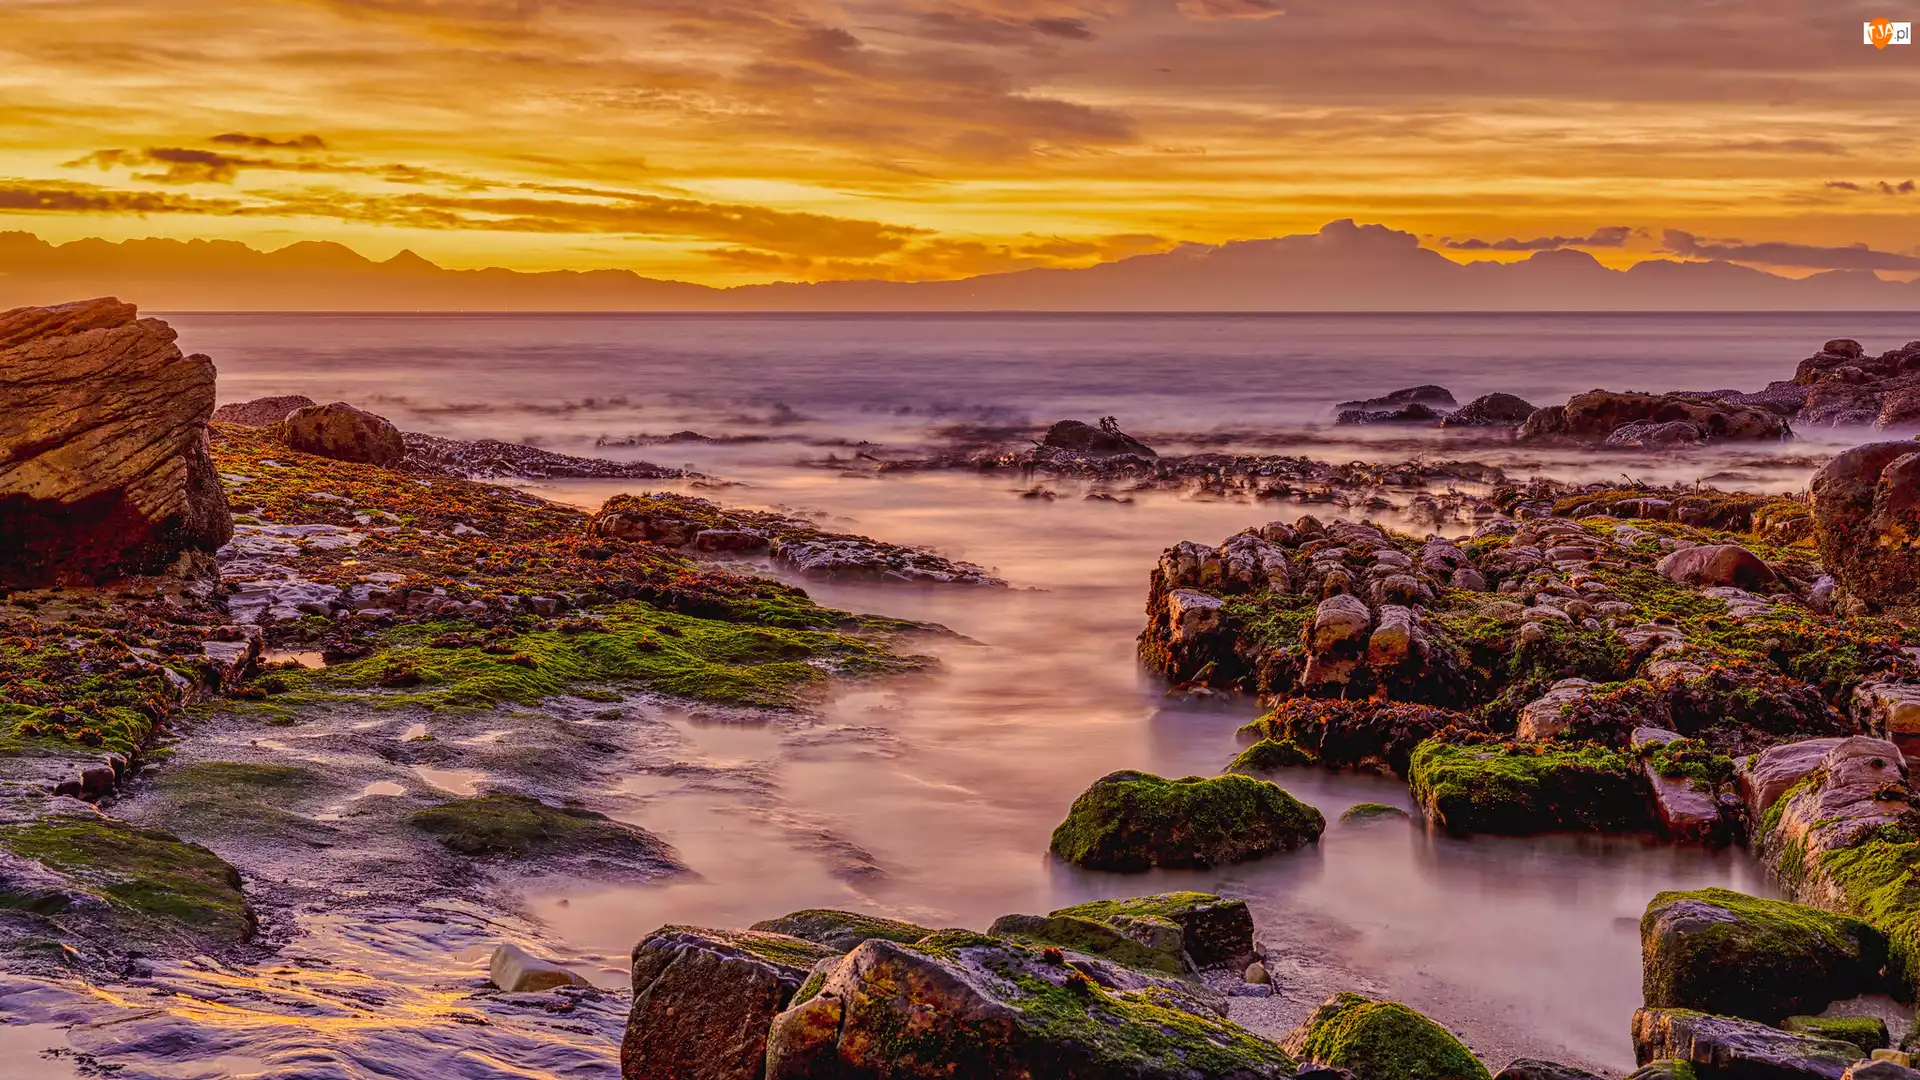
x: 1720, y: 1046
x: 517, y: 971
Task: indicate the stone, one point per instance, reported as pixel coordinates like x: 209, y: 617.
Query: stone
x: 344, y: 433
x: 1412, y: 412
x: 1175, y: 933
x: 1256, y: 974
x: 1530, y: 1069
x: 1762, y: 778
x: 1425, y: 394
x: 261, y: 412
x: 1857, y: 788
x: 1721, y: 1046
x: 1381, y: 1040
x: 1521, y: 789
x: 1716, y: 564
x: 1133, y: 821
x: 962, y: 1005
x: 1718, y: 951
x: 1593, y: 416
x: 517, y: 971
x: 1490, y: 410
x: 1864, y: 518
x: 1879, y: 1068
x: 1105, y: 440
x: 1869, y: 1033
x: 1546, y: 716
x: 1900, y: 408
x: 703, y: 1000
x: 104, y: 464
x: 1336, y: 640
x: 1890, y: 710
x: 1687, y: 813
x: 839, y: 930
x: 1651, y: 435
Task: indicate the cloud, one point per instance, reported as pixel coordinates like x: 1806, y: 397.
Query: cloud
x: 1230, y: 9
x: 1843, y: 185
x: 1884, y: 187
x: 1775, y: 253
x: 28, y: 197
x: 1904, y: 187
x: 182, y: 165
x: 1611, y: 236
x: 260, y: 142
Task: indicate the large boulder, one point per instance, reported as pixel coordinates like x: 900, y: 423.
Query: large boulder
x: 1132, y: 821
x: 1725, y: 1047
x: 1858, y: 789
x: 1534, y: 1069
x: 1174, y: 932
x: 1866, y: 512
x: 104, y: 467
x: 1104, y: 440
x: 261, y: 412
x: 839, y: 930
x: 1716, y: 564
x: 344, y: 433
x: 1593, y: 416
x: 1718, y: 951
x: 1520, y: 789
x: 702, y: 1000
x: 963, y: 1006
x: 1491, y: 410
x: 1381, y: 1040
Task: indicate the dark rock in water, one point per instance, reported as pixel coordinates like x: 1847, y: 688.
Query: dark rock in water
x: 344, y: 433
x: 1597, y: 414
x: 1530, y: 1069
x: 1899, y: 408
x: 1382, y: 1039
x: 1651, y: 434
x: 1491, y: 410
x: 1106, y: 440
x: 1170, y: 932
x: 1727, y: 953
x: 1716, y: 564
x: 963, y: 1005
x: 1438, y: 397
x: 1412, y: 412
x: 1839, y: 404
x: 261, y: 412
x: 840, y: 930
x: 1866, y: 511
x: 1489, y: 788
x: 702, y: 1000
x: 1361, y: 734
x: 1720, y: 1046
x: 491, y: 459
x: 104, y: 465
x: 1131, y: 821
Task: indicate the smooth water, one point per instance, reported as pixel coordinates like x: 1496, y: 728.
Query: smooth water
x: 932, y: 799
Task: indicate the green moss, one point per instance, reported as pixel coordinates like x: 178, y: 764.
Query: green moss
x: 1869, y: 1033
x: 1524, y: 788
x: 1692, y: 759
x: 1362, y: 813
x: 1093, y: 937
x: 1665, y: 1069
x: 1171, y: 906
x: 1133, y: 821
x: 220, y: 796
x: 1268, y: 755
x: 146, y: 872
x: 515, y: 826
x: 1878, y: 882
x: 780, y: 949
x: 1383, y: 1040
x: 840, y: 929
x: 1738, y: 955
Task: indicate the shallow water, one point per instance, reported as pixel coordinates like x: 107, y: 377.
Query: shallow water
x: 932, y: 799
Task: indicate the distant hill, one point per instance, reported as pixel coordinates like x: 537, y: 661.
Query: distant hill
x: 1343, y: 267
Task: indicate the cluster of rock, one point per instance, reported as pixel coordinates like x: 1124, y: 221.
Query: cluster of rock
x: 702, y: 527
x: 1866, y: 513
x: 1842, y: 386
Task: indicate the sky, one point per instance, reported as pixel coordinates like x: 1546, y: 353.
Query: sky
x: 761, y: 140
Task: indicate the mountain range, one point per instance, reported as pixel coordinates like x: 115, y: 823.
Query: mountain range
x: 1342, y: 267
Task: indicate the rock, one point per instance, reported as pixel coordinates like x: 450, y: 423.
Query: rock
x: 1899, y: 408
x: 1132, y: 821
x: 1858, y: 788
x: 104, y: 465
x: 839, y: 930
x: 1864, y: 516
x: 1176, y: 933
x: 961, y: 1005
x: 1651, y: 435
x: 1594, y: 416
x: 1718, y: 951
x: 1890, y: 710
x: 1381, y: 1040
x: 1106, y: 440
x: 516, y: 971
x: 1880, y: 1069
x: 261, y: 412
x: 1412, y: 412
x: 1425, y: 394
x: 1546, y: 716
x: 1716, y: 564
x: 1720, y: 1046
x: 703, y: 999
x: 1528, y: 788
x: 1839, y: 404
x: 1337, y: 640
x: 1256, y: 974
x: 1491, y: 410
x: 344, y: 433
x: 1869, y: 1033
x: 1354, y: 734
x: 1530, y: 1069
x: 1368, y: 813
x: 1762, y: 778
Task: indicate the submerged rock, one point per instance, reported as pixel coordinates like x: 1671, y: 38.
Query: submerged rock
x: 1718, y: 951
x: 1131, y: 821
x: 509, y: 826
x: 968, y: 1007
x: 1105, y: 440
x: 104, y: 464
x: 344, y: 433
x: 1720, y: 1046
x: 1491, y: 410
x: 703, y: 1000
x: 1381, y: 1040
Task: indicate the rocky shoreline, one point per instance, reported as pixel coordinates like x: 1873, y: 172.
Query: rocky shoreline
x: 189, y: 590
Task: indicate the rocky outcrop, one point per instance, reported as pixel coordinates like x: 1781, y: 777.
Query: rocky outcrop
x: 1381, y: 1039
x: 1104, y: 440
x: 104, y: 466
x: 702, y: 1001
x: 1722, y: 952
x: 1532, y: 1069
x: 1595, y: 416
x: 1367, y: 735
x: 344, y: 433
x: 1491, y: 410
x: 1132, y: 821
x: 1720, y: 1046
x: 1866, y: 512
x: 963, y: 1005
x: 1176, y: 932
x: 1857, y: 789
x: 1519, y: 789
x: 261, y: 412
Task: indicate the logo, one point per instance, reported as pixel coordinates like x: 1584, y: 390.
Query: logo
x: 1881, y: 33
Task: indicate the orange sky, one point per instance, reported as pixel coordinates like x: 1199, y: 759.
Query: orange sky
x: 809, y: 139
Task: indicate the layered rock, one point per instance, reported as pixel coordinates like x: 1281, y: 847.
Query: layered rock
x: 104, y: 466
x: 1720, y: 1046
x: 1866, y: 511
x: 703, y: 1000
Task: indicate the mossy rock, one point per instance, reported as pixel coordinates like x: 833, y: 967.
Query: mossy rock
x: 840, y: 930
x: 1269, y: 755
x: 182, y: 891
x: 1518, y: 789
x: 1136, y: 946
x: 963, y: 1004
x: 1729, y: 954
x: 1367, y: 813
x: 1132, y: 821
x: 1172, y: 933
x: 1665, y: 1069
x: 510, y: 826
x: 1381, y: 1040
x: 1869, y: 1033
x: 1879, y: 880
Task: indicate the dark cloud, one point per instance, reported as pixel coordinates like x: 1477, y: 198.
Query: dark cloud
x: 88, y: 199
x: 1884, y: 187
x: 1230, y: 9
x: 1843, y: 185
x: 1904, y: 187
x: 1606, y: 236
x: 181, y: 165
x: 1775, y: 253
x: 261, y: 142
